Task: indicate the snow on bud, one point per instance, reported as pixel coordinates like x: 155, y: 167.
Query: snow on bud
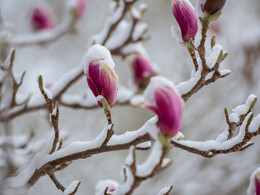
x: 42, y: 18
x: 162, y: 97
x: 101, y: 77
x: 186, y: 17
x: 143, y: 71
x: 212, y: 6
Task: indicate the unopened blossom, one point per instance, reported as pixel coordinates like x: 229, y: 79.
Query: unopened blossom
x: 42, y: 18
x: 142, y: 70
x: 186, y: 17
x: 100, y: 73
x: 257, y: 183
x: 162, y: 98
x: 212, y: 6
x: 82, y: 6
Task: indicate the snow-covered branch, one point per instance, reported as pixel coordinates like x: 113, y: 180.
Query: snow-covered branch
x: 135, y: 34
x: 122, y: 34
x: 80, y: 150
x: 136, y: 174
x: 47, y: 36
x: 241, y: 118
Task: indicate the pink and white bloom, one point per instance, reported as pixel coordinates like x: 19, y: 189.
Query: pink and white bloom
x: 100, y: 73
x: 42, y: 18
x: 162, y: 97
x: 187, y: 19
x: 142, y: 70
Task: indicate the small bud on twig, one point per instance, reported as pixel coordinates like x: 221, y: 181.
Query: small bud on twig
x: 213, y: 6
x: 42, y: 18
x: 186, y: 17
x: 101, y: 76
x: 164, y: 100
x: 143, y: 71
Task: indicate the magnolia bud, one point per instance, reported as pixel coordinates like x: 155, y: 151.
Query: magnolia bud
x: 42, y: 18
x: 82, y: 6
x: 143, y: 71
x: 186, y: 17
x: 101, y: 77
x: 212, y: 6
x: 162, y: 98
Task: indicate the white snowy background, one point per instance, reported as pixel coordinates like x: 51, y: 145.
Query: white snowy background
x: 203, y: 115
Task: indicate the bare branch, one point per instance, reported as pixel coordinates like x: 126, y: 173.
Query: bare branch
x: 49, y: 171
x: 203, y: 72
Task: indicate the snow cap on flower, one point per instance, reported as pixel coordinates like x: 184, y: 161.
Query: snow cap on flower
x: 162, y: 97
x: 187, y: 19
x: 42, y: 18
x: 101, y: 76
x: 101, y: 186
x: 212, y: 6
x: 142, y: 70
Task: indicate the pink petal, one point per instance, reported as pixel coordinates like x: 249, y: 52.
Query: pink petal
x: 170, y: 110
x: 141, y: 68
x: 109, y: 82
x: 94, y: 74
x: 42, y: 18
x: 152, y: 108
x: 82, y: 6
x: 92, y: 86
x: 187, y: 19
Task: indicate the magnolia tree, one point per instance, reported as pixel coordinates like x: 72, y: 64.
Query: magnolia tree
x: 24, y: 159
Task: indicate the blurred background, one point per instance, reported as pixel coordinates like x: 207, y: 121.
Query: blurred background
x: 238, y: 31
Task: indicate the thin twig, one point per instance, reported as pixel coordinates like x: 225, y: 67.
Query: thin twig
x: 49, y: 172
x: 157, y: 169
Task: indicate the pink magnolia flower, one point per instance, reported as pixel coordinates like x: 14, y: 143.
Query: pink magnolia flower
x: 101, y: 77
x: 257, y: 183
x: 142, y: 70
x: 162, y: 98
x: 82, y: 6
x: 42, y: 18
x: 186, y: 17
